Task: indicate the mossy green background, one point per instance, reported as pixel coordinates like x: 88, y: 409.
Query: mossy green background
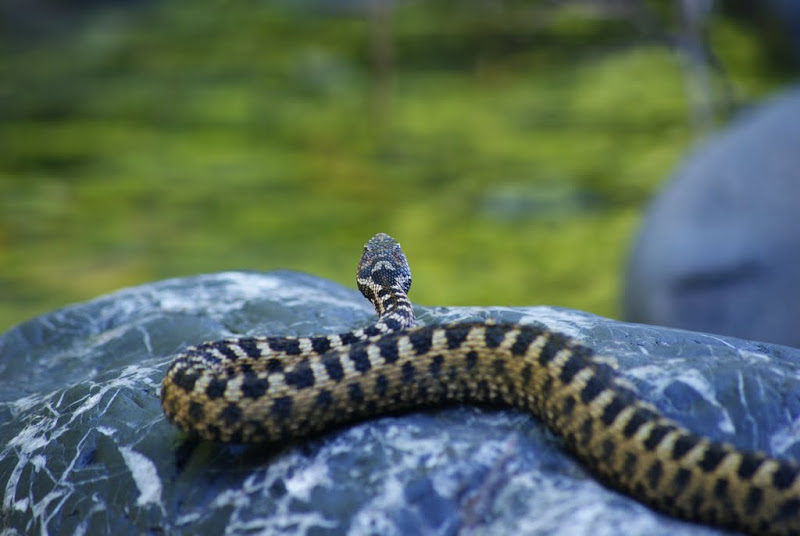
x: 510, y: 147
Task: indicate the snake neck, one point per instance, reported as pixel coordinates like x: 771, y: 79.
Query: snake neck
x: 394, y: 309
x: 392, y: 305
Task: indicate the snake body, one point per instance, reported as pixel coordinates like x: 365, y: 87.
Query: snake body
x: 269, y: 389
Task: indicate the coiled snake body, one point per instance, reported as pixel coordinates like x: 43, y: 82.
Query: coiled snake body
x: 267, y: 389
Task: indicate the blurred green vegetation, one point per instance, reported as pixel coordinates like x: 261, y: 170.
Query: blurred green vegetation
x: 509, y: 147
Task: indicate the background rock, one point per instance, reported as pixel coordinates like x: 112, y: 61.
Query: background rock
x: 86, y: 448
x: 719, y: 248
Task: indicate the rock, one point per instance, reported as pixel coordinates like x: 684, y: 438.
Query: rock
x: 719, y: 248
x: 85, y: 447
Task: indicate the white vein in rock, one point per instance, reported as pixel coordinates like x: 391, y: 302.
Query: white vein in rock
x: 144, y: 474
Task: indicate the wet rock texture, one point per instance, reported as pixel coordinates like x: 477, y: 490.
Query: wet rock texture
x: 85, y: 448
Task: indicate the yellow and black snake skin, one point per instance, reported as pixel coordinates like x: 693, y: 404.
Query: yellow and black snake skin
x: 268, y: 389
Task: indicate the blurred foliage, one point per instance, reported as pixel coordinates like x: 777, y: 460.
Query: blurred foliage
x: 509, y: 146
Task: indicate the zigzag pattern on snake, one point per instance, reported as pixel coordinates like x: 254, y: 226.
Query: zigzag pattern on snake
x: 267, y: 389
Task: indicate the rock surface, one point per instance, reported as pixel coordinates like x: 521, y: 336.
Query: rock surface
x: 718, y: 250
x: 85, y: 448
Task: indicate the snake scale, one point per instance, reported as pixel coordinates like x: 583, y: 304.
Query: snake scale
x: 269, y: 389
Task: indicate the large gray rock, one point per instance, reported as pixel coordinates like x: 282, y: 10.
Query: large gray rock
x: 719, y: 249
x: 85, y: 448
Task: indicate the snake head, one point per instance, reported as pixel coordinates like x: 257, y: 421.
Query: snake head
x: 383, y: 266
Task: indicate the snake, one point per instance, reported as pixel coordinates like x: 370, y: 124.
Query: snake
x: 274, y: 389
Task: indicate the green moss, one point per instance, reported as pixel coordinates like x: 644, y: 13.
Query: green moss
x: 509, y: 148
